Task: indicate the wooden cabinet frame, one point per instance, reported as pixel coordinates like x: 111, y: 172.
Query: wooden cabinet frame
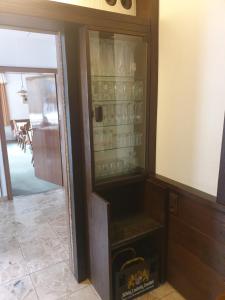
x: 63, y: 19
x: 98, y: 208
x: 87, y: 107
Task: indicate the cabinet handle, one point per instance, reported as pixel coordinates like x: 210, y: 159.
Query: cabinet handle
x: 98, y: 114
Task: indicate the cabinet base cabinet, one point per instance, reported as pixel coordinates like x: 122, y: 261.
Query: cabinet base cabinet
x: 127, y: 240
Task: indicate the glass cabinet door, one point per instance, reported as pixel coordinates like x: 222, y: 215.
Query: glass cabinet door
x: 118, y: 70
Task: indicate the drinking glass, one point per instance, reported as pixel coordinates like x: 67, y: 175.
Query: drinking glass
x: 119, y: 61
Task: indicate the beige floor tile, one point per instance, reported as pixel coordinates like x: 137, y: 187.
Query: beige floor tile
x: 148, y: 296
x: 55, y: 282
x: 40, y: 254
x: 65, y: 242
x: 38, y: 232
x: 25, y: 206
x: 10, y: 228
x: 86, y: 293
x: 12, y: 265
x: 8, y: 243
x: 29, y: 225
x: 59, y: 226
x: 34, y: 218
x: 163, y: 290
x: 18, y: 290
x: 16, y: 225
x: 32, y: 203
x: 6, y: 215
x: 174, y: 296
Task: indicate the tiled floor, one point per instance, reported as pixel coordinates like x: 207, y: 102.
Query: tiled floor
x: 34, y: 253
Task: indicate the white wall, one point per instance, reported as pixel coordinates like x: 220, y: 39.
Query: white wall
x: 191, y: 91
x: 17, y: 109
x: 26, y: 49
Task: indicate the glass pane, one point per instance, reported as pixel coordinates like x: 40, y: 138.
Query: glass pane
x: 118, y: 88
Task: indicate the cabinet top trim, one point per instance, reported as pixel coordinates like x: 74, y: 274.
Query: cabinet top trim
x: 63, y: 12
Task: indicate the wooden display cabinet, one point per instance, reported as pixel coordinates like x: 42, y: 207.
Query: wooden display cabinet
x: 115, y: 92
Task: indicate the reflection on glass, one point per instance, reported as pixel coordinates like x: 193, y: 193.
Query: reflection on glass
x: 118, y: 87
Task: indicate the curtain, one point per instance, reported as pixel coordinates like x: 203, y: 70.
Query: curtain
x: 4, y: 103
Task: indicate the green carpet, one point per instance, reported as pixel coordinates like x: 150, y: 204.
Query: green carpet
x: 24, y: 182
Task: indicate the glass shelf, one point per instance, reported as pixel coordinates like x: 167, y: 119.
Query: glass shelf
x: 116, y: 100
x: 117, y: 125
x: 118, y: 76
x: 118, y: 73
x: 116, y: 148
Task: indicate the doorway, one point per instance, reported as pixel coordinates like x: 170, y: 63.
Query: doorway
x: 67, y: 41
x: 32, y: 133
x: 36, y: 222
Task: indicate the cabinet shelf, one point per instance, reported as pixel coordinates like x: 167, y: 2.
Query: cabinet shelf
x: 117, y: 148
x: 117, y: 100
x: 121, y: 124
x: 132, y: 228
x: 118, y: 76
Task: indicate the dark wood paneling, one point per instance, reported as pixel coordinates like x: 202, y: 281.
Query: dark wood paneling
x: 156, y: 204
x: 190, y: 276
x: 125, y: 199
x: 196, y: 242
x: 199, y: 244
x: 196, y: 249
x: 70, y: 49
x: 153, y: 11
x: 221, y: 183
x: 204, y: 219
x: 97, y: 209
x: 100, y: 260
x: 156, y: 201
x: 144, y: 9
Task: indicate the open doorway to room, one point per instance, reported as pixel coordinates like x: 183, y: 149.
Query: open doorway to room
x: 32, y: 132
x: 35, y: 225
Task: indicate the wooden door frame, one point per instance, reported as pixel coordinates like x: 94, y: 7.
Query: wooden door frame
x: 11, y: 69
x: 3, y: 143
x: 221, y: 189
x: 70, y: 120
